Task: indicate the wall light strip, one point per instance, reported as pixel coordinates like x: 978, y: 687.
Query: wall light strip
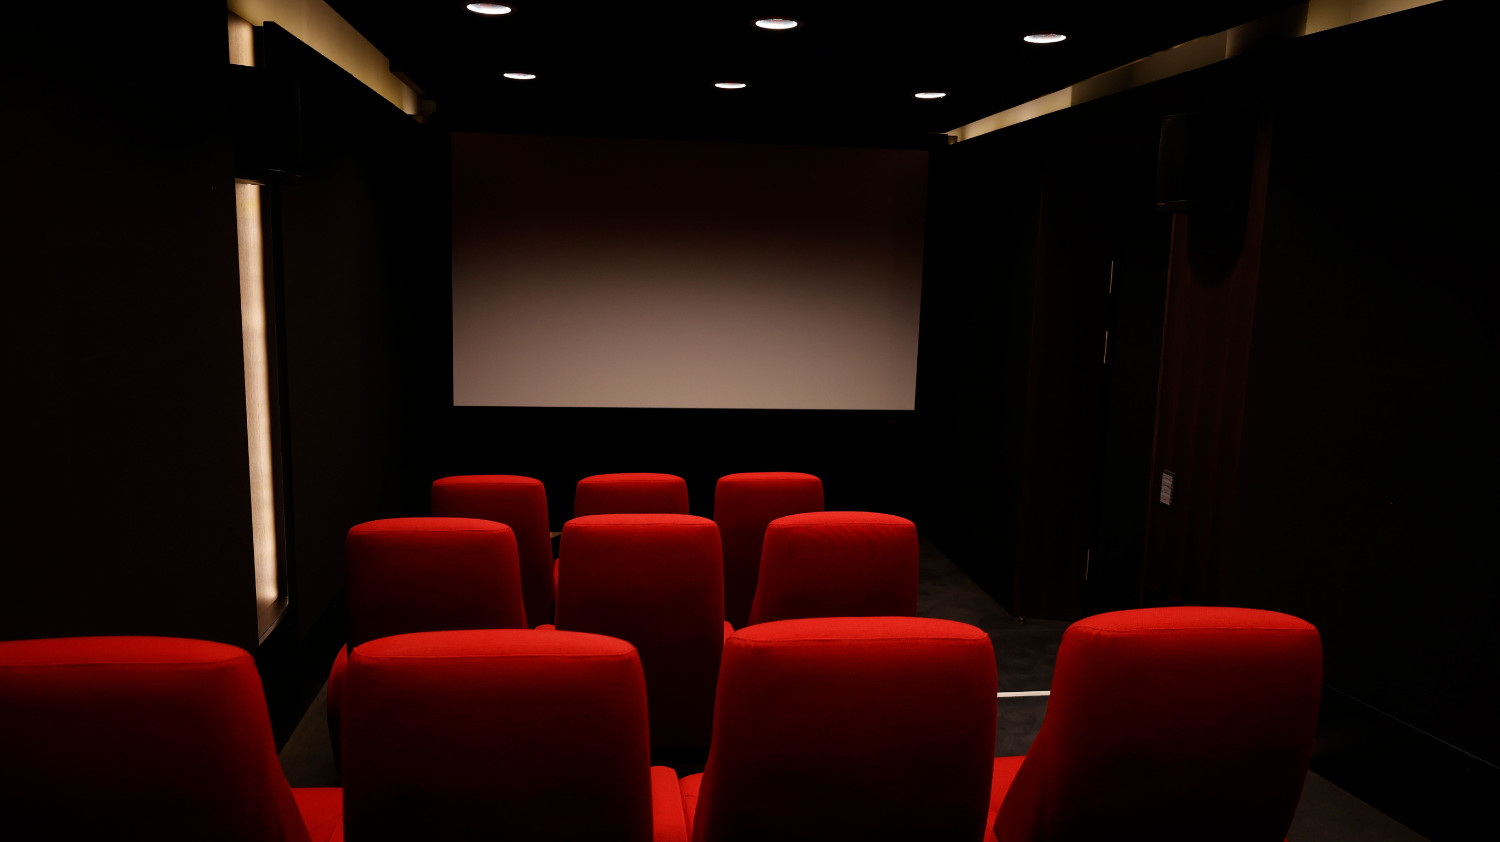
x: 1303, y: 19
x: 241, y: 41
x: 268, y: 596
x: 317, y: 25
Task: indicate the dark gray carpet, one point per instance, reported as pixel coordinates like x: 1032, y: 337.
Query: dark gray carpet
x: 307, y: 756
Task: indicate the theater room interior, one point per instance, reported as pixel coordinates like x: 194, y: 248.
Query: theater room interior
x: 1147, y: 342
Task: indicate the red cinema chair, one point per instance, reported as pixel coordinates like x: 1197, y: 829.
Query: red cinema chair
x: 849, y: 729
x: 1169, y: 724
x: 521, y: 504
x: 743, y: 505
x: 658, y: 582
x: 425, y: 574
x: 136, y: 738
x: 512, y: 734
x: 837, y: 564
x: 618, y: 494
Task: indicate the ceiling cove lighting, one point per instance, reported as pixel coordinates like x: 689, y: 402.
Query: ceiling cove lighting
x: 931, y: 95
x: 488, y: 9
x: 519, y: 75
x: 1044, y: 38
x: 729, y: 86
x: 776, y: 23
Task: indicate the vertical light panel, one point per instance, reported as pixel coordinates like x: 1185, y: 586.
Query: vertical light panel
x: 268, y: 601
x: 241, y: 41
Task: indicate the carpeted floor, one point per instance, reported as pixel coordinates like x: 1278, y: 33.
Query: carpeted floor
x: 1024, y: 654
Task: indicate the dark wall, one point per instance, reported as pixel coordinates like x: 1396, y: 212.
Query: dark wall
x: 126, y: 457
x: 1366, y: 498
x: 983, y: 211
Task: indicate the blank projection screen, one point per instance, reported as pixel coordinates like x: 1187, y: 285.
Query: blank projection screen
x: 642, y: 273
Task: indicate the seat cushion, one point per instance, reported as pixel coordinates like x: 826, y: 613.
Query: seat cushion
x: 336, y: 678
x: 542, y: 734
x: 138, y: 738
x: 668, y: 821
x: 690, y: 786
x: 743, y: 505
x: 432, y: 574
x: 657, y: 581
x: 837, y: 564
x: 322, y: 810
x: 882, y: 727
x: 1178, y: 723
x: 1005, y: 772
x: 517, y: 502
x: 612, y: 494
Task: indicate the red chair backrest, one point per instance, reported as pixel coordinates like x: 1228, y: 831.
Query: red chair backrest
x: 138, y: 738
x: 614, y: 494
x: 851, y: 728
x: 521, y: 504
x: 656, y: 581
x: 509, y: 734
x: 743, y: 505
x: 431, y: 574
x: 837, y: 564
x: 1171, y: 724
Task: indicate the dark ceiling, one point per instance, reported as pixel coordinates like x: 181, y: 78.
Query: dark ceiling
x: 847, y: 74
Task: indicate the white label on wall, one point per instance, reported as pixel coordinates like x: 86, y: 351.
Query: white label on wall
x: 1166, y: 486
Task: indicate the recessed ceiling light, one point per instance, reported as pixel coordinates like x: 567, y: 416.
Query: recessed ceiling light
x: 729, y: 86
x: 1045, y: 38
x: 488, y: 9
x: 776, y: 23
x: 519, y: 75
x: 931, y: 95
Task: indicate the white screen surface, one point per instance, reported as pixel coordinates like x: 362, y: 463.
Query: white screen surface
x: 627, y: 273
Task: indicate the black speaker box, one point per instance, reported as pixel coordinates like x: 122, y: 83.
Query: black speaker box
x: 1203, y: 161
x: 266, y: 113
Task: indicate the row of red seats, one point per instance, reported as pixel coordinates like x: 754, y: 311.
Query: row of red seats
x: 655, y: 580
x: 743, y: 504
x: 1164, y: 724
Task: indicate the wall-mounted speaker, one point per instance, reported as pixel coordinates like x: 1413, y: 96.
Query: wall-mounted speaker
x: 1203, y: 161
x: 266, y: 113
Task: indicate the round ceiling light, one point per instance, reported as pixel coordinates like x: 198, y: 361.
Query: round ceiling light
x: 729, y: 86
x: 519, y: 75
x: 931, y: 95
x: 1045, y: 38
x: 776, y: 23
x: 488, y: 9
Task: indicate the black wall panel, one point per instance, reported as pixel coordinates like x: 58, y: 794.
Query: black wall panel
x: 128, y: 508
x: 983, y: 216
x: 1367, y: 499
